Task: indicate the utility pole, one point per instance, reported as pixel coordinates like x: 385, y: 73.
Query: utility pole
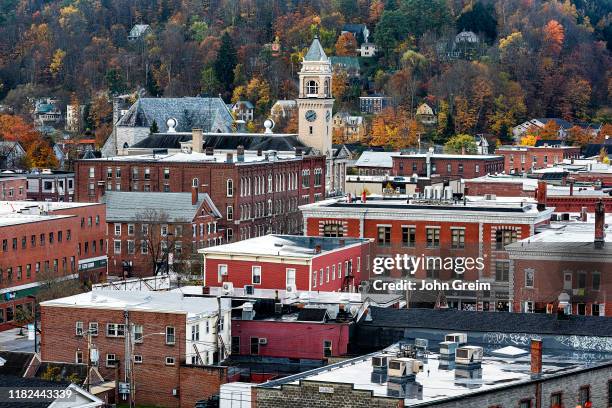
x: 218, y: 331
x: 88, y: 360
x: 128, y: 356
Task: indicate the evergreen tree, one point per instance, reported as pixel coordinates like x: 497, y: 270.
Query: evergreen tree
x: 226, y: 62
x: 480, y: 19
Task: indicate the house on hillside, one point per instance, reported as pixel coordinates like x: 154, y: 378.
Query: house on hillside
x: 426, y: 115
x: 243, y: 110
x: 350, y: 65
x: 138, y: 31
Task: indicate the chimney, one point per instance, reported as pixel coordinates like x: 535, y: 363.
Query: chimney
x: 210, y: 151
x: 259, y: 152
x: 229, y: 158
x: 600, y: 218
x: 317, y: 249
x: 571, y: 183
x: 541, y: 195
x: 583, y: 214
x: 240, y: 153
x: 197, y: 140
x: 298, y: 152
x: 536, y: 357
x: 194, y: 195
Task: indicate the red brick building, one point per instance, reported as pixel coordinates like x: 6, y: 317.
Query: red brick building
x: 13, y: 188
x: 255, y: 192
x: 565, y: 267
x: 475, y: 228
x: 51, y: 185
x: 284, y: 261
x: 165, y: 330
x: 459, y: 165
x: 143, y: 228
x: 42, y: 241
x: 519, y: 159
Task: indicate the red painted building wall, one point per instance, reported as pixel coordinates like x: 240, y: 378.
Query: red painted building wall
x: 291, y: 339
x: 525, y: 158
x: 466, y: 167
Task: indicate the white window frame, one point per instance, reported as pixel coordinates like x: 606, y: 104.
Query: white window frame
x: 93, y: 328
x: 117, y: 229
x: 137, y: 359
x: 78, y: 328
x: 108, y: 359
x: 170, y: 338
x: 117, y: 246
x: 229, y: 187
x: 169, y: 360
x: 138, y: 333
x: 288, y: 273
x: 256, y: 272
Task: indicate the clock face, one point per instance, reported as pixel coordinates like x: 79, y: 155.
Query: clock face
x: 311, y: 116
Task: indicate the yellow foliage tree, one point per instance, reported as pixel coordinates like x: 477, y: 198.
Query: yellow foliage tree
x: 528, y: 140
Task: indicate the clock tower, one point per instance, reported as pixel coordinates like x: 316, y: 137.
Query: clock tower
x: 315, y: 100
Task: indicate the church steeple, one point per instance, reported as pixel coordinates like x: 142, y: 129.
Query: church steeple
x: 315, y: 52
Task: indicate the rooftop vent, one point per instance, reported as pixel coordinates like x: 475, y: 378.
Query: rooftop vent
x: 459, y: 338
x: 403, y: 369
x: 469, y: 356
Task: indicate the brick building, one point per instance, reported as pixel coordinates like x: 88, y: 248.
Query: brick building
x: 283, y: 261
x: 460, y: 165
x: 374, y: 163
x: 519, y: 159
x: 51, y: 185
x: 528, y: 382
x: 255, y: 192
x: 43, y: 241
x: 143, y: 228
x: 174, y: 341
x: 565, y: 267
x: 13, y: 187
x: 474, y: 227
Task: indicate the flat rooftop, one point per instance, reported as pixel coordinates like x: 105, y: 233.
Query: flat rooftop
x: 283, y: 245
x: 163, y: 302
x: 216, y: 157
x: 439, y: 381
x: 543, y: 147
x: 449, y: 156
x: 25, y: 212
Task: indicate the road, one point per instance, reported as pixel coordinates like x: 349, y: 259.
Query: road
x: 10, y: 340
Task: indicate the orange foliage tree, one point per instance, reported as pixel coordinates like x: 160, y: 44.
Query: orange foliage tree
x: 14, y: 128
x: 346, y: 45
x: 579, y: 136
x: 392, y: 127
x: 39, y: 154
x: 554, y: 35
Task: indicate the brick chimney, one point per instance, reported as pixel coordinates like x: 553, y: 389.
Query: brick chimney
x: 541, y: 195
x: 583, y: 214
x: 536, y: 357
x: 197, y: 140
x: 600, y: 218
x: 194, y: 195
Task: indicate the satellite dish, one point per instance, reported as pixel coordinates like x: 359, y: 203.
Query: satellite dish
x: 269, y: 125
x: 171, y: 123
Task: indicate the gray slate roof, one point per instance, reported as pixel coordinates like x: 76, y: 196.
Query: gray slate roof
x: 315, y: 52
x: 462, y: 320
x: 124, y: 206
x: 209, y: 114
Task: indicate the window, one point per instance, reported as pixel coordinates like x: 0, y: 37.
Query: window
x: 317, y: 177
x: 290, y: 276
x: 314, y: 278
x: 117, y: 229
x: 195, y: 332
x: 305, y: 178
x: 327, y: 274
x: 166, y: 174
x: 525, y: 404
x: 230, y: 187
x: 312, y: 87
x: 327, y: 348
x: 164, y: 230
x: 92, y: 172
x: 78, y: 328
x: 432, y: 272
x: 235, y: 344
x: 93, y: 328
x: 170, y: 337
x: 333, y: 230
x: 408, y: 236
x: 460, y: 167
x: 110, y: 360
x: 137, y: 359
x: 115, y: 330
x: 169, y: 360
x: 502, y: 271
x: 255, y: 345
x: 556, y: 400
x: 458, y: 238
x: 78, y: 358
x: 584, y: 395
x: 477, y: 168
x: 117, y: 246
x: 230, y: 213
x: 596, y: 280
x: 433, y: 237
x: 137, y: 333
x: 256, y: 275
x: 147, y: 174
x: 529, y: 277
x: 504, y: 237
x: 581, y: 280
x: 384, y: 235
x: 130, y: 228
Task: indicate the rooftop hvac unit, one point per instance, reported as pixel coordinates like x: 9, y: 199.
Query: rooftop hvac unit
x: 228, y: 288
x: 403, y: 368
x: 421, y: 344
x: 448, y: 348
x: 380, y: 361
x: 468, y: 355
x: 459, y: 338
x: 249, y: 290
x: 263, y: 341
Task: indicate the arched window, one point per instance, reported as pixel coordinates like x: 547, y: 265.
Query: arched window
x: 230, y: 187
x: 195, y: 182
x: 312, y: 87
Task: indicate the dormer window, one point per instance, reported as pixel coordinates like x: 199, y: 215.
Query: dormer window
x: 312, y: 88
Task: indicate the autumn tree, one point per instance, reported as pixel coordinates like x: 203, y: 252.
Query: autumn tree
x: 528, y: 140
x: 346, y: 45
x: 579, y: 136
x: 339, y: 85
x: 40, y: 155
x: 461, y: 143
x: 554, y: 35
x: 393, y: 128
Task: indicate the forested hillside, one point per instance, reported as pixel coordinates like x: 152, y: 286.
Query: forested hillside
x: 535, y: 58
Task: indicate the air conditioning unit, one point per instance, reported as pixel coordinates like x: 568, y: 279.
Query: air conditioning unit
x: 403, y: 368
x: 459, y: 338
x: 490, y: 197
x: 421, y: 344
x: 448, y: 348
x: 291, y: 288
x: 380, y: 361
x: 228, y: 288
x: 469, y: 355
x: 249, y: 290
x: 263, y: 341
